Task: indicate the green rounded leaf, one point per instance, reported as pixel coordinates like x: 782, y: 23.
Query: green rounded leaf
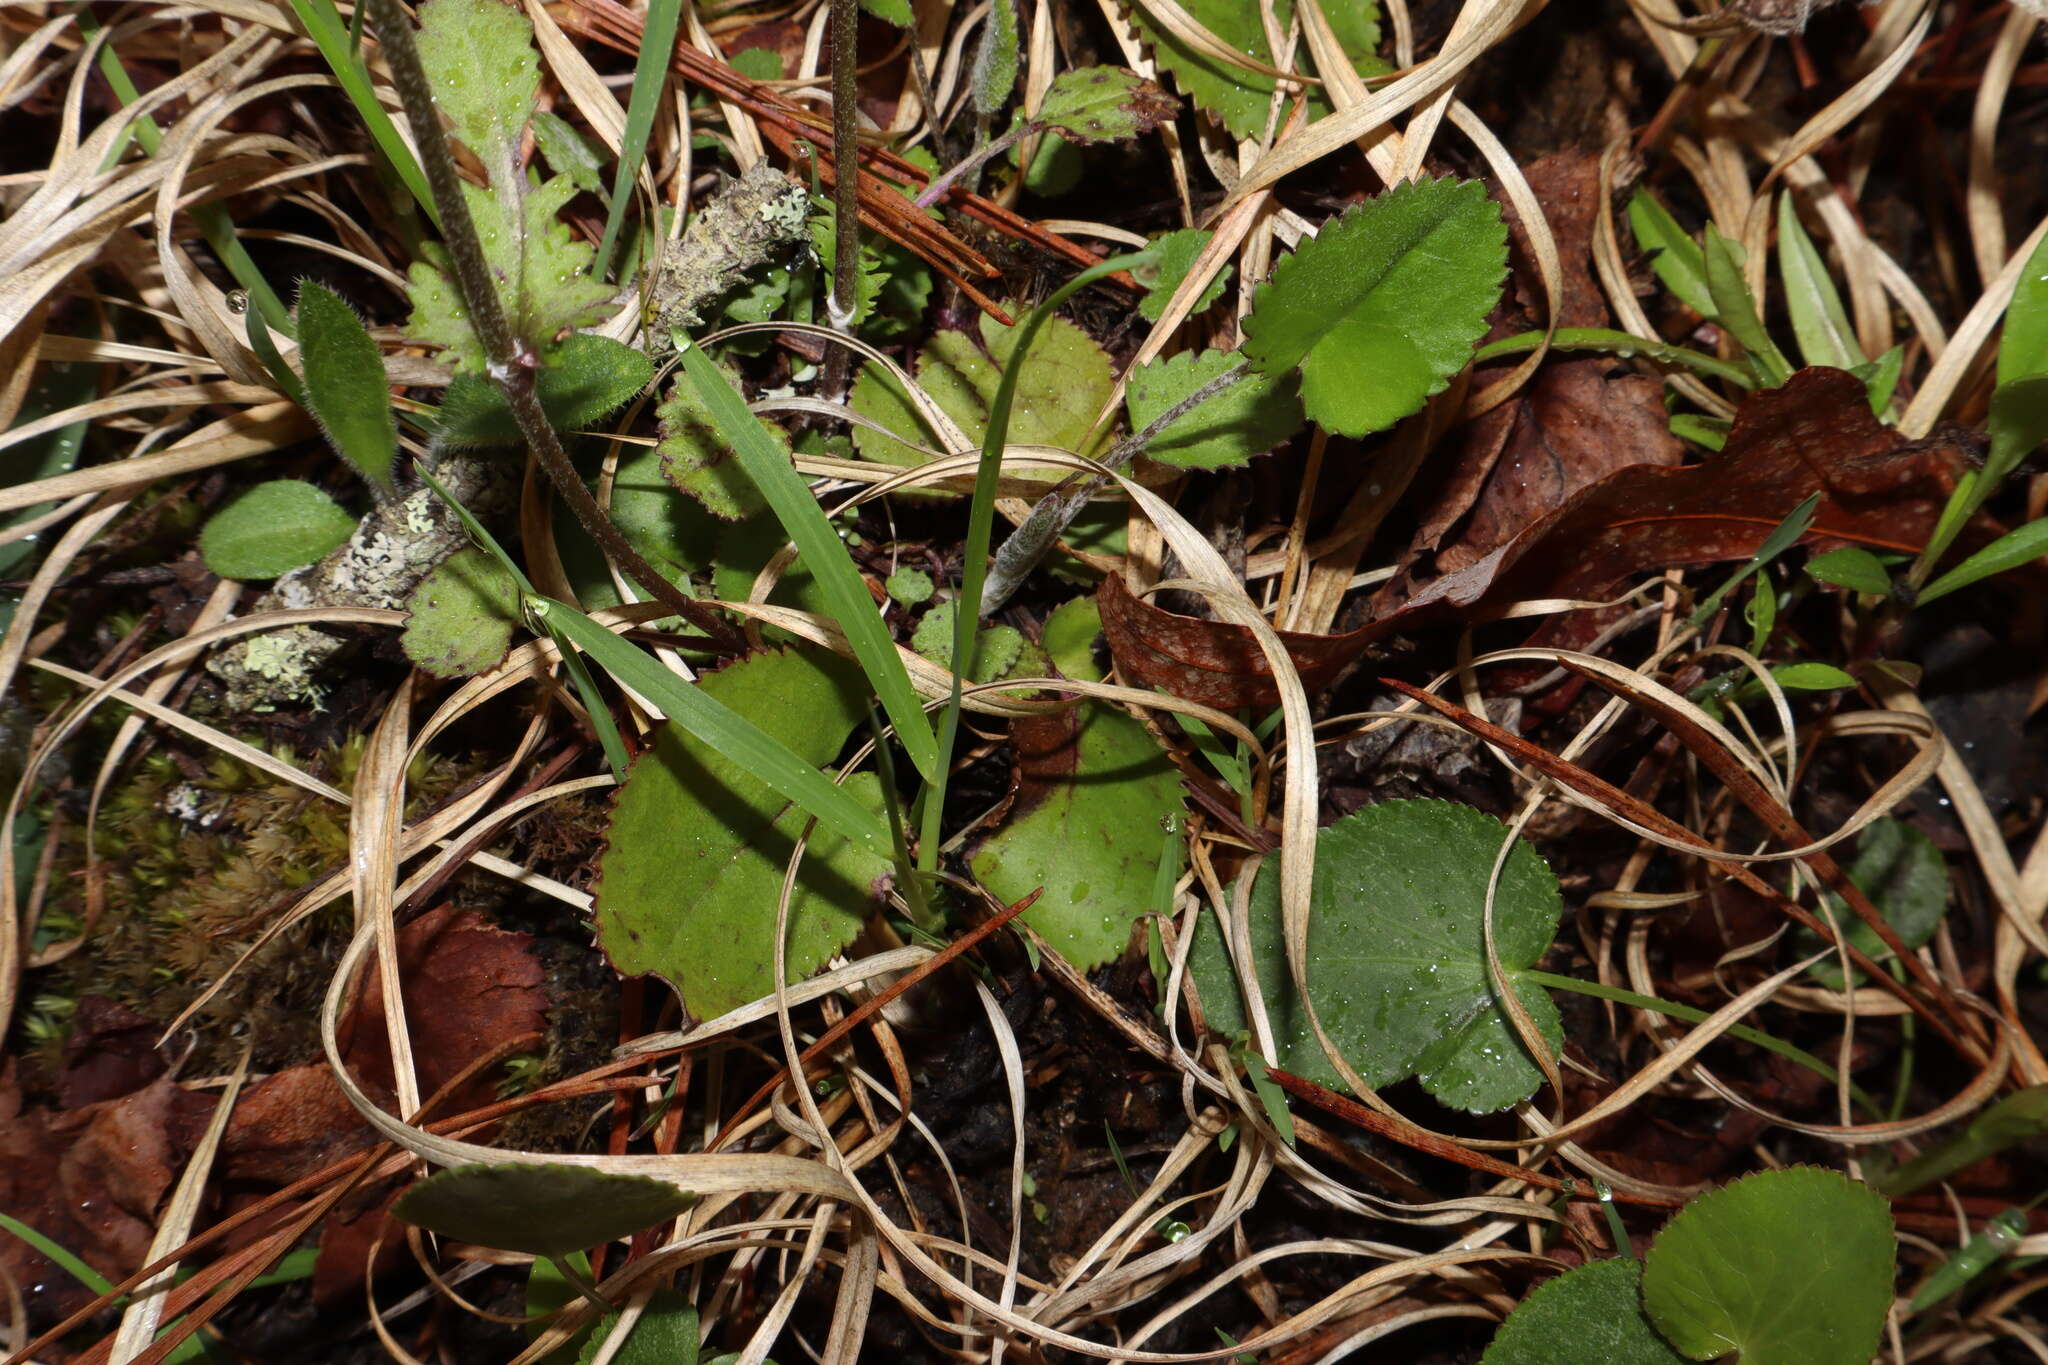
x: 695, y: 851
x: 1584, y: 1315
x: 345, y: 383
x: 996, y: 647
x: 1790, y: 1267
x: 1226, y: 429
x: 586, y: 378
x: 1851, y: 567
x: 1384, y: 305
x: 272, y: 529
x: 1397, y: 955
x: 1177, y: 253
x: 1905, y: 876
x: 462, y: 615
x: 545, y: 1210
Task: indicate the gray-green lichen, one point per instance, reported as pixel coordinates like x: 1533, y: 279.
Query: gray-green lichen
x: 758, y: 218
x: 379, y: 567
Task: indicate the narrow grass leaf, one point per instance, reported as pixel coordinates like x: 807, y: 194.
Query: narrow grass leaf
x: 1677, y: 260
x: 719, y: 726
x: 324, y: 26
x: 2009, y: 551
x: 824, y: 555
x: 650, y: 74
x: 1735, y: 309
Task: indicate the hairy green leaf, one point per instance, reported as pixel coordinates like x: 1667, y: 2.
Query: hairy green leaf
x: 1095, y: 795
x: 461, y: 616
x: 345, y: 384
x: 479, y: 57
x: 1177, y: 253
x: 569, y: 151
x: 1249, y: 418
x: 543, y: 1210
x: 1396, y: 955
x: 993, y: 73
x: 1903, y: 873
x: 586, y: 379
x: 1240, y: 98
x: 272, y: 529
x: 694, y: 855
x: 1788, y: 1267
x: 1384, y: 305
x: 698, y: 459
x: 1588, y: 1314
x: 1818, y: 321
x: 1678, y: 260
x: 1103, y: 104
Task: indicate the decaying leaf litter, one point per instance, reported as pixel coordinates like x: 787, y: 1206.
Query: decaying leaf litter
x: 1485, y: 810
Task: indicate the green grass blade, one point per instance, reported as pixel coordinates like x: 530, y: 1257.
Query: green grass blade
x: 1616, y: 343
x: 718, y: 725
x: 825, y: 556
x: 64, y: 1260
x: 324, y: 26
x: 2009, y: 551
x: 650, y: 71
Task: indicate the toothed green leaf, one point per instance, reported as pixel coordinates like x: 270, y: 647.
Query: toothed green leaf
x: 1239, y: 98
x: 1384, y: 305
x: 480, y: 60
x: 1177, y: 253
x: 700, y: 460
x: 461, y: 616
x: 1226, y: 429
x: 586, y: 379
x: 1103, y: 104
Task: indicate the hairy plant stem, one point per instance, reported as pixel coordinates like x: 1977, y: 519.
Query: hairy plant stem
x: 1053, y: 513
x: 511, y: 359
x: 843, y: 304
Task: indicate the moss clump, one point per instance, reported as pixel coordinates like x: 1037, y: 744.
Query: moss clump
x: 197, y: 857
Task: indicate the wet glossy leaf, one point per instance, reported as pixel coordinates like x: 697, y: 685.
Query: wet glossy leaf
x: 544, y: 1210
x: 479, y: 57
x: 272, y: 529
x: 1903, y: 873
x: 1103, y: 104
x: 1226, y: 429
x: 697, y: 844
x: 1588, y: 1314
x: 1384, y: 305
x: 1789, y: 1267
x: 345, y: 384
x: 1396, y: 955
x: 461, y: 616
x: 1094, y: 791
x: 586, y: 379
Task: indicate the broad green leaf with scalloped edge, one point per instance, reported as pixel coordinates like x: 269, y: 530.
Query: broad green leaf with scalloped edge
x: 480, y: 60
x: 586, y: 378
x: 1103, y: 104
x: 1065, y: 382
x: 273, y: 528
x: 1087, y: 829
x: 672, y: 532
x: 1239, y: 98
x: 1396, y: 955
x: 699, y: 460
x: 1384, y: 305
x: 1177, y: 253
x: 1904, y: 875
x: 1789, y: 1267
x: 666, y: 1333
x: 997, y: 648
x: 461, y: 616
x: 695, y: 851
x: 1592, y: 1313
x: 345, y: 383
x: 1226, y: 429
x: 543, y: 1210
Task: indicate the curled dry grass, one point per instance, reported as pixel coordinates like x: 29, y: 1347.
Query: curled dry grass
x: 814, y: 1172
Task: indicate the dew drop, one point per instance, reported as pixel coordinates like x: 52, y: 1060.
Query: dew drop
x: 238, y: 301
